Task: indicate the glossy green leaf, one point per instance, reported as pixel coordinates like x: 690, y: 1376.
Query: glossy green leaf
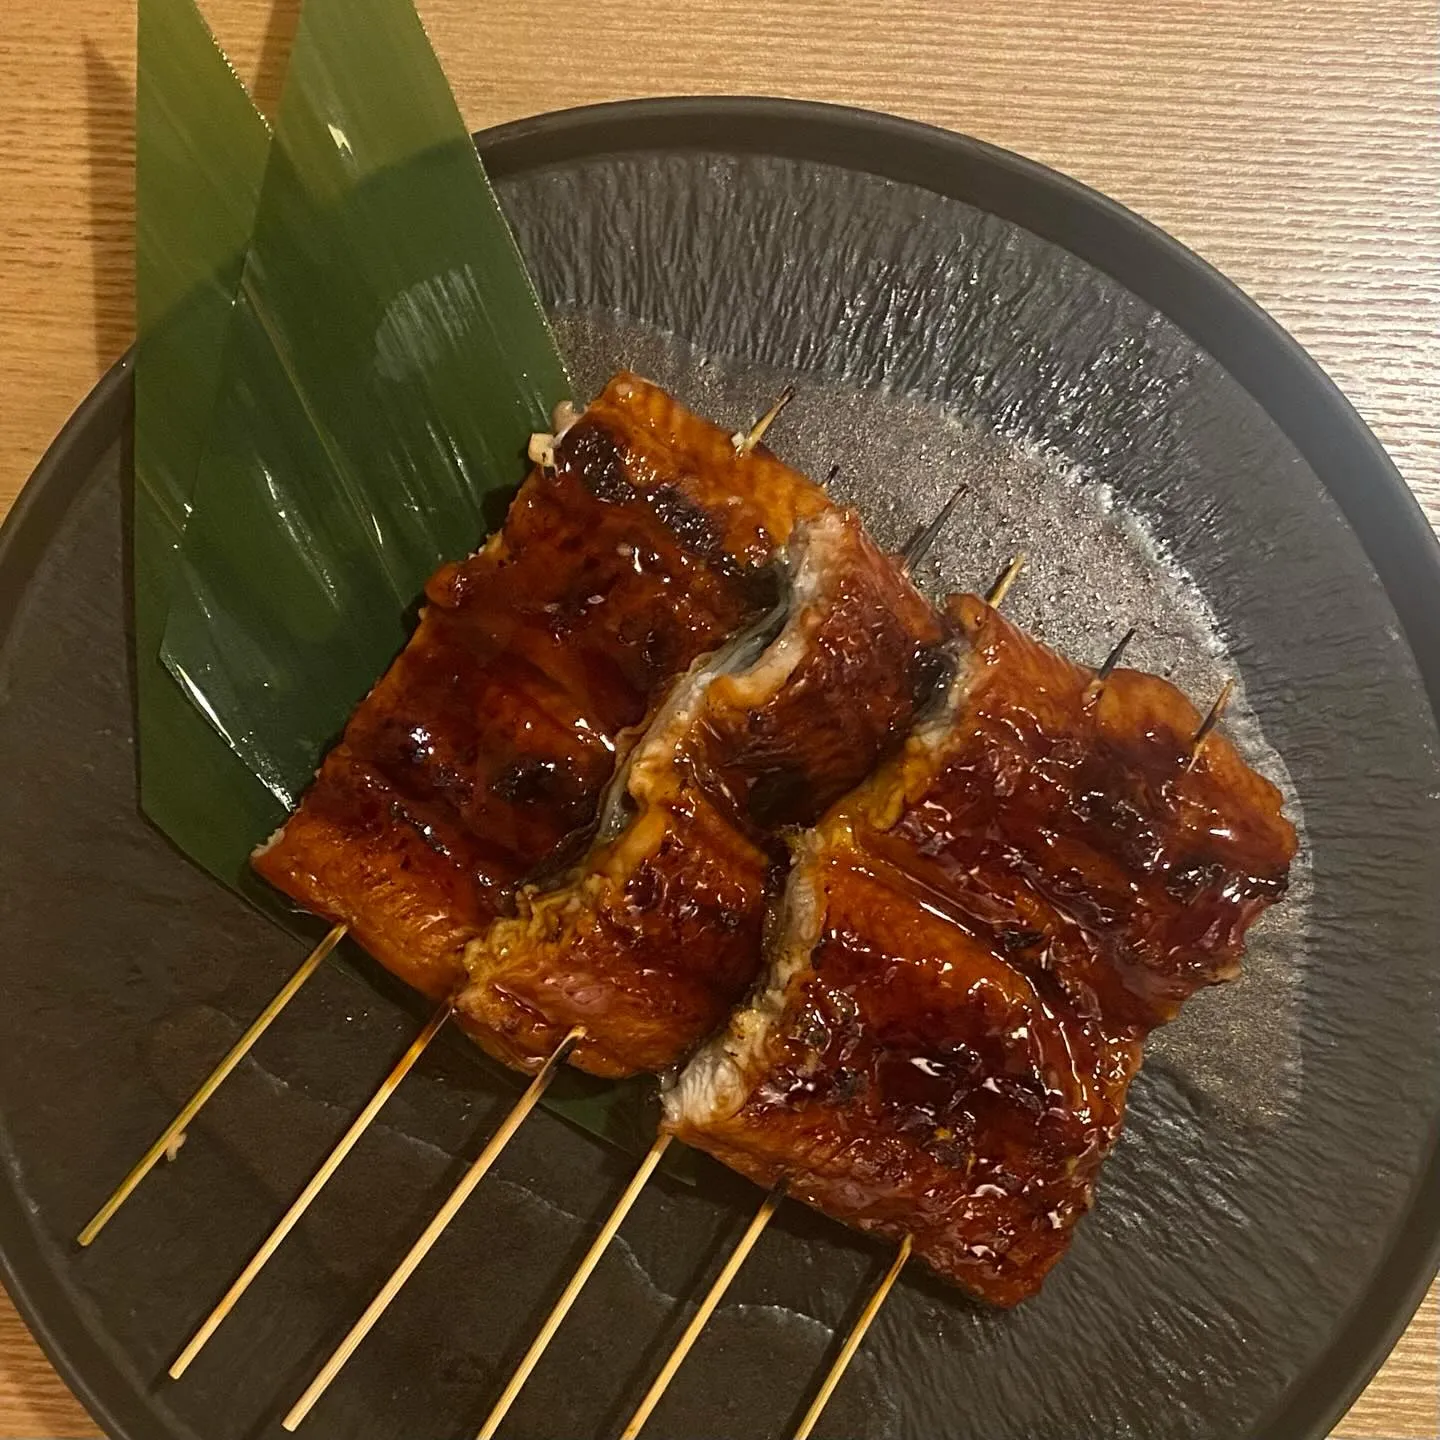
x: 387, y: 362
x: 200, y: 149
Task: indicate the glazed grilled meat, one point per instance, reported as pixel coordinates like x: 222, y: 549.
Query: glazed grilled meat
x: 494, y: 733
x: 1068, y: 819
x: 971, y: 949
x: 674, y: 655
x: 905, y: 1078
x: 658, y: 933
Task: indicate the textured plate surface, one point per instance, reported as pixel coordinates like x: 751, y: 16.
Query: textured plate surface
x: 1260, y: 1231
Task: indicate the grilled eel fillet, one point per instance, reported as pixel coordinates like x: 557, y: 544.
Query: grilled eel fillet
x: 970, y: 951
x: 657, y: 933
x: 495, y: 731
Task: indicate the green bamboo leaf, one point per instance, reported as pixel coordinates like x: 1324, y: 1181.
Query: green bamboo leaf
x: 386, y: 363
x: 200, y: 149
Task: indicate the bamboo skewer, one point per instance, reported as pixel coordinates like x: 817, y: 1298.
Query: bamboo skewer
x: 1107, y: 666
x: 1197, y: 743
x: 1096, y: 687
x: 313, y: 1187
x: 572, y: 1291
x: 1001, y: 588
x: 174, y: 1132
x: 432, y: 1231
x: 701, y: 1317
x: 853, y: 1339
x: 912, y: 554
x: 881, y: 1293
x: 877, y: 1299
x: 772, y: 1201
x: 920, y: 546
x: 746, y: 441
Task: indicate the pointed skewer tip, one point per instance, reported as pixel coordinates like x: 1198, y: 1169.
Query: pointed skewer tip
x: 1222, y: 702
x: 1096, y: 687
x: 172, y: 1137
x: 746, y: 441
x: 1109, y: 663
x: 1001, y: 588
x: 921, y: 545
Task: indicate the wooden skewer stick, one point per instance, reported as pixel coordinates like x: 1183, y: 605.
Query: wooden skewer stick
x: 702, y: 1315
x: 852, y: 1341
x: 1001, y: 588
x: 432, y: 1232
x: 314, y: 1186
x: 746, y: 441
x: 572, y: 1291
x: 174, y: 1132
x: 920, y: 546
x: 1222, y: 700
x: 1107, y: 666
x: 1109, y: 663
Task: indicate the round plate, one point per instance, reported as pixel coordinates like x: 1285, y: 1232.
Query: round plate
x: 1252, y: 1255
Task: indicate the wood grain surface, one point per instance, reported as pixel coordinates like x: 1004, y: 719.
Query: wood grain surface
x: 1293, y: 143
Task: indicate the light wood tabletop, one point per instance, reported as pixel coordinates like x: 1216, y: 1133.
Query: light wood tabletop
x: 1294, y: 144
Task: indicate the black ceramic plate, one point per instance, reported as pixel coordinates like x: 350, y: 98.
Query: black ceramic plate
x: 1269, y: 1221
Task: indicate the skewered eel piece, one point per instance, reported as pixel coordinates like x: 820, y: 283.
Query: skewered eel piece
x: 643, y: 542
x: 656, y: 933
x: 766, y: 729
x: 970, y: 951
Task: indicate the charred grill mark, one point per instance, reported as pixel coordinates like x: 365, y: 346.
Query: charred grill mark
x: 930, y: 673
x: 592, y: 455
x: 533, y: 779
x: 694, y: 529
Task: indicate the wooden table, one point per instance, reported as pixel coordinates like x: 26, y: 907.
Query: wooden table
x: 1293, y: 143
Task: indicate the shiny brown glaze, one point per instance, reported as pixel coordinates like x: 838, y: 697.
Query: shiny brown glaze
x: 489, y: 739
x: 870, y: 656
x: 648, y: 951
x: 975, y: 944
x: 912, y: 1082
x: 659, y: 932
x: 1065, y: 818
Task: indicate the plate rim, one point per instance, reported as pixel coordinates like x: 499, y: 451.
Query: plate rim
x: 1263, y: 359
